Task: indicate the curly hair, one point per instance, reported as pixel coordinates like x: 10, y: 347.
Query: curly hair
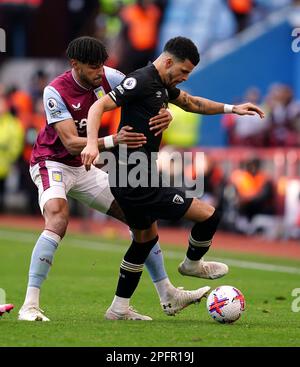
x: 87, y: 50
x: 183, y: 48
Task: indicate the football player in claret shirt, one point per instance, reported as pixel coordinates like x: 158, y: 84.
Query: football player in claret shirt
x: 57, y: 170
x: 141, y: 94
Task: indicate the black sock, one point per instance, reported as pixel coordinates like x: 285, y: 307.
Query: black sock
x: 132, y: 267
x: 201, y: 236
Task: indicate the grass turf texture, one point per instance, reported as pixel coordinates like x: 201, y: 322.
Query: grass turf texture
x: 82, y: 283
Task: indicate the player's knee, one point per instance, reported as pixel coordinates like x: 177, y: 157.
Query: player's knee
x: 57, y: 218
x: 145, y: 235
x: 116, y: 212
x: 60, y: 224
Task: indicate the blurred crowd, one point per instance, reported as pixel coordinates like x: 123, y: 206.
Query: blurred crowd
x: 248, y: 12
x: 252, y: 201
x: 21, y: 118
x: 280, y: 128
x: 242, y: 194
x: 129, y: 28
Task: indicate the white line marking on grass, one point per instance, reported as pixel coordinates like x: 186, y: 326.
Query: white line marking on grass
x: 25, y: 237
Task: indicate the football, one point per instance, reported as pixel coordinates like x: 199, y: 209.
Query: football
x: 225, y: 304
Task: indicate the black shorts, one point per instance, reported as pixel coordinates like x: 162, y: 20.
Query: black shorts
x: 142, y: 206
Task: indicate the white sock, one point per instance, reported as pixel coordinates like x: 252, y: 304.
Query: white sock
x: 32, y: 297
x: 164, y: 287
x: 120, y: 304
x: 52, y: 235
x: 191, y: 264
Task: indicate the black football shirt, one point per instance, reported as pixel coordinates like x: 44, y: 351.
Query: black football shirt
x: 141, y: 95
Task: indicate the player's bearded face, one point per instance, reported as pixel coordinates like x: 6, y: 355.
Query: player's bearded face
x: 178, y: 72
x: 91, y: 74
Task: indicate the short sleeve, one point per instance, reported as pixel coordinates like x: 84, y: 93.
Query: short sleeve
x: 113, y: 76
x: 173, y: 93
x: 133, y: 87
x: 54, y: 106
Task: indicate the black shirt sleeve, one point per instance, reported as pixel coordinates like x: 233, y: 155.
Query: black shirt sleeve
x: 133, y: 87
x: 173, y: 93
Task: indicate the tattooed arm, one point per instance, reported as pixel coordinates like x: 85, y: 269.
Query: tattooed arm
x: 208, y: 107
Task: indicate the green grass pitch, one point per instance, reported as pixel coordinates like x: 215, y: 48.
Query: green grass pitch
x: 82, y: 283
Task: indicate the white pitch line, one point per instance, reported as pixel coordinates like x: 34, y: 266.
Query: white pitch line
x: 25, y: 237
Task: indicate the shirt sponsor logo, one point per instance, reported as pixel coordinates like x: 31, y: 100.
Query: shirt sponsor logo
x: 57, y: 176
x: 76, y: 107
x: 129, y: 83
x: 81, y: 124
x: 52, y: 104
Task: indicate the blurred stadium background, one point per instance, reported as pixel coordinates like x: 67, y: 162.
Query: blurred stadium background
x: 248, y: 52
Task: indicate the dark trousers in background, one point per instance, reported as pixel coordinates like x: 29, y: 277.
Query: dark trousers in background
x: 2, y: 192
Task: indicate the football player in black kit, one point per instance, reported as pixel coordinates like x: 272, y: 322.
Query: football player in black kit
x: 141, y: 94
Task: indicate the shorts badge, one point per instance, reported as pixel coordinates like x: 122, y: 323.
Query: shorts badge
x: 57, y: 176
x: 177, y: 199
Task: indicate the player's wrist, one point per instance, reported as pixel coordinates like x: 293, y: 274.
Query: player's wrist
x: 228, y: 108
x: 115, y: 139
x: 109, y: 141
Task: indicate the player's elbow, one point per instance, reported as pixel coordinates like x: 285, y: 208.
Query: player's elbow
x: 74, y: 151
x: 72, y: 147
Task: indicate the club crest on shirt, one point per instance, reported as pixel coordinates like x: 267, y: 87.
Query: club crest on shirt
x: 99, y: 92
x: 57, y: 176
x: 129, y: 83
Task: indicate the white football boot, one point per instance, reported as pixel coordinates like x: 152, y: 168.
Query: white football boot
x: 179, y: 298
x: 203, y: 269
x: 131, y: 314
x: 32, y: 313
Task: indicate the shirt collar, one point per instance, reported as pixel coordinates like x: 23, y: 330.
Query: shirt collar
x: 77, y: 82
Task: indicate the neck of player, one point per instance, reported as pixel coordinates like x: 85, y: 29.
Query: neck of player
x: 79, y: 81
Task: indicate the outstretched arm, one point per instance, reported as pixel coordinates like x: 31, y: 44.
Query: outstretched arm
x: 208, y: 107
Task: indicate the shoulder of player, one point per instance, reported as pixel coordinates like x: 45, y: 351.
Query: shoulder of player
x: 111, y: 78
x: 137, y: 78
x: 50, y: 91
x: 143, y: 73
x: 61, y: 79
x: 108, y: 71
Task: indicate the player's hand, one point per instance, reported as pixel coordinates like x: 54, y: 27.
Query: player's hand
x: 160, y: 122
x: 89, y: 156
x: 248, y: 109
x: 131, y: 139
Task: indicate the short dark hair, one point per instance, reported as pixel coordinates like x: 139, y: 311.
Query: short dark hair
x: 87, y: 50
x: 183, y: 48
